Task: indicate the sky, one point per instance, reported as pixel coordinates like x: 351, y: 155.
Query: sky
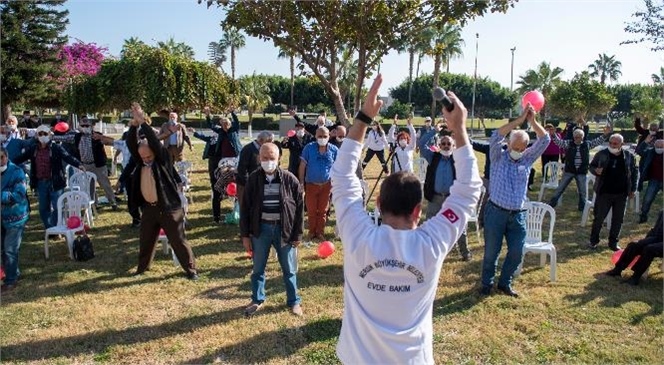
x: 566, y: 33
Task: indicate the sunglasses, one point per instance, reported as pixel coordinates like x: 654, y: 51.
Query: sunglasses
x: 84, y: 125
x: 42, y: 134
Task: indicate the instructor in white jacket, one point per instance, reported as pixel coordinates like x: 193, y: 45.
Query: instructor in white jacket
x: 391, y: 271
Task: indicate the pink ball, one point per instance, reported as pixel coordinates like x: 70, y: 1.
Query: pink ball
x: 535, y: 98
x: 325, y: 249
x: 161, y: 232
x: 73, y: 222
x: 291, y: 133
x: 231, y: 189
x: 616, y: 256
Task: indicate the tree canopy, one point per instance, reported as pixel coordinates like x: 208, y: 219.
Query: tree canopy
x: 648, y: 26
x: 580, y: 97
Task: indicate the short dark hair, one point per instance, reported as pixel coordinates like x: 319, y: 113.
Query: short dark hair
x: 400, y: 193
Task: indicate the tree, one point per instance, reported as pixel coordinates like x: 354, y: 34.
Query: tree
x: 317, y: 30
x: 543, y: 78
x: 649, y: 108
x: 446, y: 44
x: 31, y: 32
x: 285, y: 53
x: 217, y: 54
x: 418, y: 44
x: 179, y: 49
x: 255, y: 93
x: 648, y: 26
x: 234, y: 40
x: 659, y: 80
x: 581, y: 97
x: 604, y: 67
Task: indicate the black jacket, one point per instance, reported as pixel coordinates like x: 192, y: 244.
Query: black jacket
x: 98, y: 150
x: 295, y: 145
x: 247, y: 163
x: 58, y: 154
x: 165, y: 176
x: 292, y: 206
x: 601, y: 159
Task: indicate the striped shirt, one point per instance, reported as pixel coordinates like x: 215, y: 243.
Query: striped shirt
x: 564, y: 144
x: 271, y: 210
x: 509, y: 178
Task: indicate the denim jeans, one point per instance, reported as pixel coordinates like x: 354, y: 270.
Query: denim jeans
x: 48, y: 203
x: 580, y: 188
x: 653, y: 188
x: 270, y: 236
x: 11, y: 242
x: 499, y: 223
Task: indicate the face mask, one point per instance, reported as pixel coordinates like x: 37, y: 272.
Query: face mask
x: 515, y: 155
x: 299, y: 133
x: 86, y: 130
x: 578, y: 142
x: 403, y: 143
x: 12, y: 127
x: 322, y: 141
x: 44, y: 139
x: 2, y: 138
x: 174, y: 121
x: 614, y: 150
x: 374, y: 128
x: 3, y: 168
x: 659, y: 151
x: 340, y: 139
x: 148, y: 164
x: 652, y: 133
x: 269, y: 166
x: 446, y: 153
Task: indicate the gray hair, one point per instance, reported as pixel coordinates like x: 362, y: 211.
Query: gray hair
x: 579, y: 133
x: 265, y: 136
x: 12, y: 117
x: 324, y: 129
x: 653, y: 126
x: 519, y: 134
x: 617, y: 136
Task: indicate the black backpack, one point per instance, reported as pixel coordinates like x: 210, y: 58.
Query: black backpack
x: 83, y: 250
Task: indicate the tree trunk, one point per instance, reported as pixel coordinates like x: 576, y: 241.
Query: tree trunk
x: 361, y: 73
x: 249, y: 132
x: 436, y: 75
x: 233, y: 63
x: 292, y: 80
x: 411, y: 62
x: 419, y: 62
x: 447, y: 64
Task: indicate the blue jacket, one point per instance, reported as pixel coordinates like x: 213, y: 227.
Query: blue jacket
x: 15, y: 206
x: 15, y: 147
x: 58, y: 155
x: 233, y: 135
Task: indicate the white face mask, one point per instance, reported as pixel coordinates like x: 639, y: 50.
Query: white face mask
x: 299, y: 133
x: 3, y: 168
x: 12, y: 127
x: 652, y: 133
x: 340, y: 139
x: 515, y: 155
x: 322, y: 141
x: 446, y: 153
x: 269, y: 166
x: 86, y: 130
x: 44, y: 139
x: 659, y: 151
x: 403, y: 143
x: 614, y: 150
x: 374, y: 128
x: 3, y: 138
x: 174, y: 121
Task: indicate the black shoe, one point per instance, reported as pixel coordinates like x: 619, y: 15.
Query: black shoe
x: 486, y: 290
x: 217, y: 220
x: 508, y: 291
x: 643, y: 219
x: 614, y: 246
x: 138, y: 273
x: 467, y: 256
x: 135, y: 224
x: 632, y: 281
x: 613, y: 272
x: 593, y: 246
x: 192, y: 276
x: 114, y: 207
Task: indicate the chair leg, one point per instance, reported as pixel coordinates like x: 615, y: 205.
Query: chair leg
x: 554, y: 266
x: 542, y: 259
x: 586, y: 213
x: 477, y: 230
x: 164, y: 245
x: 541, y: 193
x: 46, y: 246
x: 70, y: 244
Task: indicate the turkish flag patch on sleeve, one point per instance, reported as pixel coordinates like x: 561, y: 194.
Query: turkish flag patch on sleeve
x: 450, y: 215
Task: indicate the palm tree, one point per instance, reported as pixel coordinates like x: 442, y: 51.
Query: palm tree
x: 659, y: 80
x: 447, y: 44
x: 217, y: 54
x: 422, y: 46
x: 543, y: 78
x: 174, y: 48
x: 234, y: 40
x: 347, y: 75
x: 131, y: 46
x: 285, y: 53
x: 604, y: 67
x: 256, y: 94
x: 416, y: 45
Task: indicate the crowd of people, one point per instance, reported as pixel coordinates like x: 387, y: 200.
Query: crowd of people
x: 325, y: 166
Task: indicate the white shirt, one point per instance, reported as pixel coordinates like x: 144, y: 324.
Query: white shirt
x: 403, y: 154
x: 375, y: 142
x: 391, y: 276
x: 121, y: 146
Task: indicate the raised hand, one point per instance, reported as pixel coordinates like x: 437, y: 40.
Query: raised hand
x: 206, y: 110
x: 137, y: 112
x: 608, y: 129
x: 372, y: 105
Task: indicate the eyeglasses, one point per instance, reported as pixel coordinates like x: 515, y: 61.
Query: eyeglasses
x: 42, y: 134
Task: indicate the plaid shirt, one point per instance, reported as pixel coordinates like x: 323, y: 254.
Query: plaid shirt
x: 43, y: 162
x: 85, y: 148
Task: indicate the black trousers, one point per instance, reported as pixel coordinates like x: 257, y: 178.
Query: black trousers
x: 603, y: 204
x: 173, y: 225
x: 370, y: 154
x: 133, y: 208
x: 648, y: 248
x: 213, y: 162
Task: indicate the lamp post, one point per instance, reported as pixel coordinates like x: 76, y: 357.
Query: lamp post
x: 512, y: 78
x: 472, y: 108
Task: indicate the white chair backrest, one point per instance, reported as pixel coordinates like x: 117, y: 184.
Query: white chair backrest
x: 552, y: 172
x: 536, y: 212
x: 590, y: 182
x: 183, y: 167
x: 71, y: 203
x: 228, y: 162
x: 422, y: 165
x: 86, y: 181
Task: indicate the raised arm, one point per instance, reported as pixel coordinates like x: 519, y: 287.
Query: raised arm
x: 639, y: 128
x: 413, y: 139
x: 425, y: 152
x: 507, y: 128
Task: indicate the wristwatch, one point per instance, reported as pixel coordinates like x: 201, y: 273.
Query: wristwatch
x: 363, y: 117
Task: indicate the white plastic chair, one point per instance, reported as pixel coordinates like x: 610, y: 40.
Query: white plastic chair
x: 590, y: 203
x: 87, y: 182
x: 552, y: 174
x: 167, y: 247
x: 536, y: 212
x: 71, y: 203
x: 184, y: 169
x: 635, y: 202
x: 421, y: 168
x: 73, y: 169
x: 475, y: 214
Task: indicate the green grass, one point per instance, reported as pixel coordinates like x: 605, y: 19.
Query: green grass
x: 83, y: 312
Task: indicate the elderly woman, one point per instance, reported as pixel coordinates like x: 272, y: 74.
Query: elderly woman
x: 15, y: 213
x: 403, y: 150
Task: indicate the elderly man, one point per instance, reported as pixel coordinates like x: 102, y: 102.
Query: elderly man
x: 504, y: 214
x: 10, y: 139
x: 315, y: 166
x: 576, y: 163
x: 156, y: 190
x: 650, y: 151
x: 47, y: 173
x: 391, y: 271
x: 653, y: 130
x: 249, y: 161
x: 616, y: 173
x: 272, y: 216
x: 174, y: 135
x: 295, y: 145
x: 339, y: 135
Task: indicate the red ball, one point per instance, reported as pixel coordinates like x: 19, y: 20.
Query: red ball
x: 73, y: 222
x: 291, y: 133
x: 535, y: 98
x: 231, y: 189
x: 161, y: 232
x: 616, y: 256
x: 325, y: 249
x: 61, y: 127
